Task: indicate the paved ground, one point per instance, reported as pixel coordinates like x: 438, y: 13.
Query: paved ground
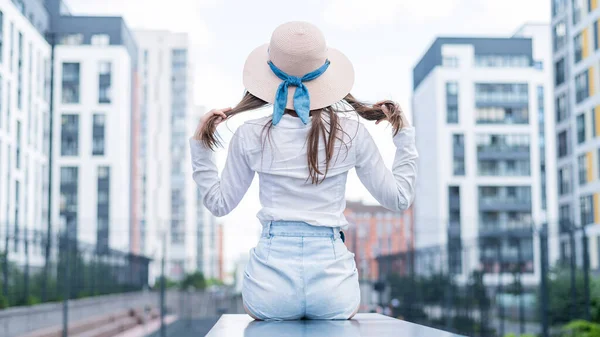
x: 188, y: 328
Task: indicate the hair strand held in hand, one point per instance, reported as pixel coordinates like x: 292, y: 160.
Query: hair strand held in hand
x: 320, y: 128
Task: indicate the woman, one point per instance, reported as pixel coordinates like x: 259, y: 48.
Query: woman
x: 301, y: 268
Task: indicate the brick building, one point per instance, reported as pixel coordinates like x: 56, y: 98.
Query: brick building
x: 375, y: 231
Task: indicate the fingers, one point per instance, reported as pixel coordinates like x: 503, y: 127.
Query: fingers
x: 385, y: 109
x: 220, y: 113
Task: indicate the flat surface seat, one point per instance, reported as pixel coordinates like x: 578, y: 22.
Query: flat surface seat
x: 362, y: 325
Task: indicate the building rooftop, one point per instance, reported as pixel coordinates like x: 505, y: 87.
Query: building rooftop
x: 482, y: 45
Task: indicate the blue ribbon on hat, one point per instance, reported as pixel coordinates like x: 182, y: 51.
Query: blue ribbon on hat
x: 301, y: 96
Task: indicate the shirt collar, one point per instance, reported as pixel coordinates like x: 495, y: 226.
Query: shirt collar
x: 291, y: 122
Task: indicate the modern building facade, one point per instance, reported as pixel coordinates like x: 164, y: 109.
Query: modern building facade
x: 94, y: 133
x: 209, y: 233
x: 575, y: 45
x: 169, y: 205
x: 487, y: 151
x: 24, y: 112
x: 376, y: 231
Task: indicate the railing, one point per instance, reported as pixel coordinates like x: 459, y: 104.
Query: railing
x: 493, y: 287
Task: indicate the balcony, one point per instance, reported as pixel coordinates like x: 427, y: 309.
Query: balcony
x: 506, y: 255
x: 502, y: 151
x: 504, y: 229
x: 498, y: 203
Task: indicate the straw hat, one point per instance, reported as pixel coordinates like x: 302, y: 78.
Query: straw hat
x: 298, y: 48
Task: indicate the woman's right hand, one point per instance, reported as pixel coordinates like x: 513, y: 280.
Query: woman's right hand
x: 207, y: 116
x: 386, y: 111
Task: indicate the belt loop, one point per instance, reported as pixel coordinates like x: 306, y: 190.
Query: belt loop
x: 269, y: 229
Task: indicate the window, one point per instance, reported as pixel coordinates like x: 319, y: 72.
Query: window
x: 20, y: 72
x: 450, y: 61
x: 563, y: 145
x: 559, y: 72
x: 542, y: 142
x: 30, y: 120
x: 68, y: 198
x: 559, y: 35
x: 564, y: 216
x: 581, y: 128
x: 583, y: 169
x: 70, y: 83
x: 502, y: 115
x: 72, y: 39
x: 47, y: 79
x: 581, y: 87
x: 562, y: 111
x: 487, y: 94
x: 1, y: 36
x: 98, y: 131
x: 579, y: 10
x: 502, y: 61
x: 69, y: 135
x: 595, y: 37
x: 558, y: 6
x: 100, y: 40
x: 17, y: 208
x: 564, y: 180
x: 586, y: 209
x: 18, y: 146
x: 458, y: 146
x: 104, y: 82
x: 12, y: 46
x: 103, y: 200
x: 452, y: 103
x: 578, y: 47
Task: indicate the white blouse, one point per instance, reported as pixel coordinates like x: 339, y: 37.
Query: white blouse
x: 286, y: 192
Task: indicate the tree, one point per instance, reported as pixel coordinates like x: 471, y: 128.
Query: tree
x: 195, y: 280
x: 562, y: 306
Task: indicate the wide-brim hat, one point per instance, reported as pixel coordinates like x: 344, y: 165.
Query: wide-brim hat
x: 298, y: 48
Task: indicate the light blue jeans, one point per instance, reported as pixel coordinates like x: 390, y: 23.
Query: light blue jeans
x: 300, y: 271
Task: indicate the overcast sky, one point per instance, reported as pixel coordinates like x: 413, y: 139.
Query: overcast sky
x: 383, y: 38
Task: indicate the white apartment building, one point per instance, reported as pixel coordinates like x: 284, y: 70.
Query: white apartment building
x: 95, y: 65
x: 24, y: 93
x: 169, y: 210
x: 482, y: 110
x: 209, y: 241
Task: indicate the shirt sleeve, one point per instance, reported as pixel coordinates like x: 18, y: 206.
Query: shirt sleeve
x: 222, y: 195
x: 393, y: 189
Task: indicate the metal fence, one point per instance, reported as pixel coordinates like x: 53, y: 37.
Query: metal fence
x: 496, y: 285
x: 38, y: 268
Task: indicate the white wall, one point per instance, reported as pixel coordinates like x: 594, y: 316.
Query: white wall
x: 117, y: 139
x: 156, y: 76
x: 434, y: 142
x: 32, y: 116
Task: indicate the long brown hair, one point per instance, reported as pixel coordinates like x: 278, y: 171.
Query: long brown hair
x: 320, y: 128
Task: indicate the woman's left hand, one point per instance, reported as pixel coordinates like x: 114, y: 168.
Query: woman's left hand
x: 218, y: 112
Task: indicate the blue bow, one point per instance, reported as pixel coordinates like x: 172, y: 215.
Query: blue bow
x: 301, y: 96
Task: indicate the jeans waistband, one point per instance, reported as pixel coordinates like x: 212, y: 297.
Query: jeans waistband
x: 298, y: 228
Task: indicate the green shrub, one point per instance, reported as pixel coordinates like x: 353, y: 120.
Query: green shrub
x: 560, y: 309
x: 195, y: 281
x: 32, y: 300
x: 581, y: 328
